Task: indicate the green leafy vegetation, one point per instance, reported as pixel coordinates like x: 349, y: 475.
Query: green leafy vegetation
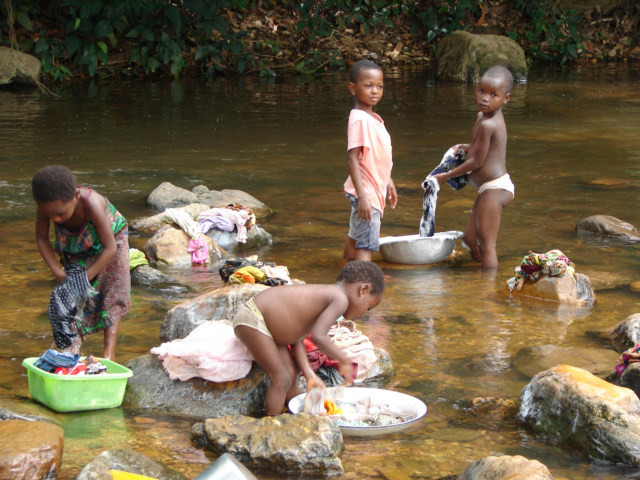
x: 553, y: 34
x: 100, y: 38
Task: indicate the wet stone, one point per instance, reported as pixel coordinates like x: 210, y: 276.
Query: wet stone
x: 301, y: 444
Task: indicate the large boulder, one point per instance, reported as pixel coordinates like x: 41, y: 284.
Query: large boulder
x: 506, y: 467
x: 18, y: 67
x: 30, y: 450
x: 626, y: 334
x: 219, y: 304
x: 301, y: 445
x: 568, y: 404
x: 150, y: 388
x: 608, y: 228
x: 126, y: 461
x: 167, y: 195
x: 169, y: 247
x: 464, y: 57
x: 573, y: 288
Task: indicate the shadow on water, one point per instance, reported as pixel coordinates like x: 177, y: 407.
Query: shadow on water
x: 453, y: 332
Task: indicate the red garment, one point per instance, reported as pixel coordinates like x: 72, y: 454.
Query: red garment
x: 317, y: 358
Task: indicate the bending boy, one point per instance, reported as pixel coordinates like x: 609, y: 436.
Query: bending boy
x: 486, y: 165
x: 283, y: 316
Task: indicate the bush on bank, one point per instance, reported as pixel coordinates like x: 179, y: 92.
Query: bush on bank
x: 212, y: 37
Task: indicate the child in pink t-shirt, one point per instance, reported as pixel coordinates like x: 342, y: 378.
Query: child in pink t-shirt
x: 369, y: 161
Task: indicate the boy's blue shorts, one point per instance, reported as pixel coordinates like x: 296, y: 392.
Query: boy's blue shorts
x: 366, y: 234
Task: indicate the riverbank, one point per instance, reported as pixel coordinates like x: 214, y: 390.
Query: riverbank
x: 155, y: 39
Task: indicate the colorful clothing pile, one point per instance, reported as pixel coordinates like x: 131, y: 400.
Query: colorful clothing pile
x: 628, y: 356
x: 553, y: 263
x: 65, y: 363
x: 251, y: 270
x: 228, y: 219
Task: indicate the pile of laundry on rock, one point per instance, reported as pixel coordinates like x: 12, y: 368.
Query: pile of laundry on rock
x: 65, y: 363
x: 252, y: 270
x: 229, y: 218
x: 553, y: 263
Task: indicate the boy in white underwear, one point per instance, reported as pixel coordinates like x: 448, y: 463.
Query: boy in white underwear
x: 274, y: 324
x: 485, y: 162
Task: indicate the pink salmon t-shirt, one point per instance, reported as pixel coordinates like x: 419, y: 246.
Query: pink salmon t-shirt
x: 368, y: 132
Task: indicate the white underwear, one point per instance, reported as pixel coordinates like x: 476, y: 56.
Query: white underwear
x: 504, y: 183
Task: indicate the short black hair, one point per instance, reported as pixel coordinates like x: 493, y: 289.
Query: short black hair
x: 356, y: 68
x: 501, y: 73
x: 362, y: 271
x: 54, y: 182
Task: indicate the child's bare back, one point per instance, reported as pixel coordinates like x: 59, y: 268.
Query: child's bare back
x: 292, y: 312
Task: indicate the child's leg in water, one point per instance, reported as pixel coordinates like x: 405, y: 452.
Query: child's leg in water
x: 277, y: 363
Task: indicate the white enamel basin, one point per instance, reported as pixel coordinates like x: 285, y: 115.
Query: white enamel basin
x: 416, y: 250
x: 398, y: 401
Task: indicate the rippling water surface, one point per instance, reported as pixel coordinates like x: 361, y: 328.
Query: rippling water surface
x: 452, y: 332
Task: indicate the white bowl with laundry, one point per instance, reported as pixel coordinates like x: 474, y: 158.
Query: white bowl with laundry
x: 417, y: 250
x: 367, y: 412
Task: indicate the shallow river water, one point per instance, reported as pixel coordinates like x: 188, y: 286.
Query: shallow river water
x: 453, y: 333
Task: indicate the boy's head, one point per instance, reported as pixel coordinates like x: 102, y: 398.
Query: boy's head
x: 55, y: 182
x: 360, y: 66
x: 363, y: 283
x: 366, y: 84
x: 499, y: 74
x: 494, y: 89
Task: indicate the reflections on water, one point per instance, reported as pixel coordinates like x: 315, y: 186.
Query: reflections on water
x: 453, y: 332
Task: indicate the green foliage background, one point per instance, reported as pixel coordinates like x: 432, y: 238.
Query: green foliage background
x: 136, y: 37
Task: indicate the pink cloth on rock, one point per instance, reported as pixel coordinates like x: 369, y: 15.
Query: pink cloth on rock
x: 198, y: 250
x: 211, y: 351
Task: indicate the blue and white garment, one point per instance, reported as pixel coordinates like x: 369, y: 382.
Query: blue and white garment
x: 431, y: 187
x: 67, y: 304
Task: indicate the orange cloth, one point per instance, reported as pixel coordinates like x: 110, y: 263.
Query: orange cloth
x: 369, y: 133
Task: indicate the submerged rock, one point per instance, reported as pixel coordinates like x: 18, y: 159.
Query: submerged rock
x: 532, y: 360
x: 506, y: 467
x: 148, y: 276
x: 610, y: 227
x: 569, y: 404
x: 127, y: 461
x: 300, y: 445
x: 30, y: 449
x: 464, y: 57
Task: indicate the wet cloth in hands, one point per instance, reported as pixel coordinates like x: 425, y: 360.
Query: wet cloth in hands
x: 211, y: 351
x: 67, y: 304
x: 431, y: 187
